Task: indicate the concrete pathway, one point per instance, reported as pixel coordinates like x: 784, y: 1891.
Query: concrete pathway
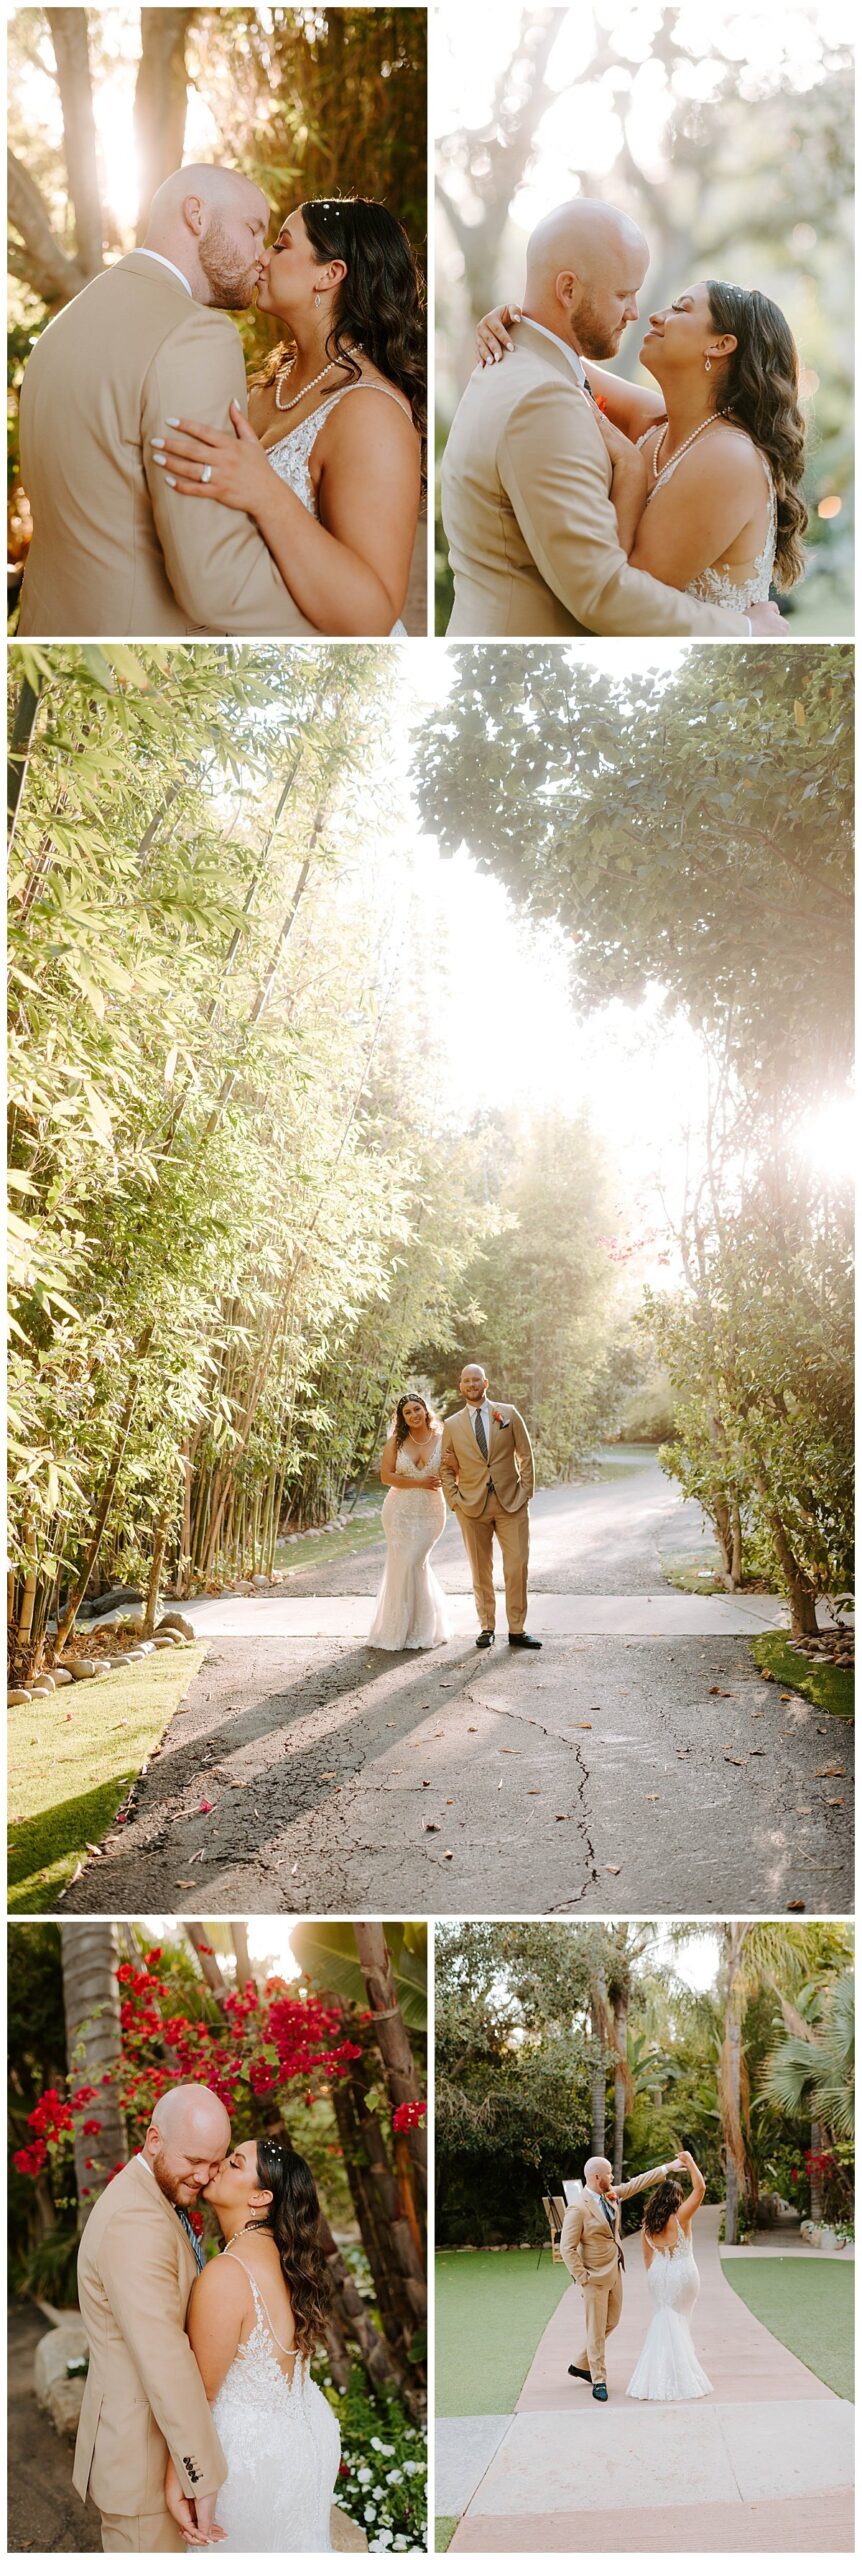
x: 764, y: 2465
x: 637, y: 1763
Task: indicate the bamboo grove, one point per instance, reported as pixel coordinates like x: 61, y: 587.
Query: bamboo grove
x: 221, y: 1152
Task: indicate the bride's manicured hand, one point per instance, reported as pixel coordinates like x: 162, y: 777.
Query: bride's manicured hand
x: 619, y: 446
x: 492, y: 337
x: 209, y: 462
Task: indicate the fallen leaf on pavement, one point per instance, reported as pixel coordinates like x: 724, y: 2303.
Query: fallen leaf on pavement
x: 833, y: 1799
x: 583, y: 1728
x: 833, y: 1769
x: 650, y: 1799
x: 794, y: 1906
x: 431, y: 1826
x: 731, y: 1761
x: 613, y: 1871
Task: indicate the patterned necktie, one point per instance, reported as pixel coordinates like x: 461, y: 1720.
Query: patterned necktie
x: 481, y: 1434
x: 192, y: 2236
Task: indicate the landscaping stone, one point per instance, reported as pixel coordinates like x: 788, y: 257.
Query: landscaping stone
x: 172, y: 1618
x: 80, y: 1668
x: 17, y: 1697
x: 62, y: 1678
x: 345, y: 2534
x: 59, y: 2392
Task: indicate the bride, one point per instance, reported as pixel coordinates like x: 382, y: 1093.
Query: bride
x: 254, y: 2316
x: 706, y: 469
x: 332, y: 480
x: 411, y: 1611
x: 667, y: 2367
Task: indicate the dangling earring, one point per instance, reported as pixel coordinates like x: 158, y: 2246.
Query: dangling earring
x: 707, y: 364
x: 317, y: 302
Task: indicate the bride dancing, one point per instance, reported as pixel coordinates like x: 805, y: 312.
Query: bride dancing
x: 706, y: 469
x: 332, y: 480
x: 667, y: 2367
x: 411, y: 1611
x: 254, y: 2316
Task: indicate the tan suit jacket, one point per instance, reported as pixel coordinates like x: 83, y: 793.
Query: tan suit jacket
x: 527, y: 511
x: 588, y: 2247
x: 115, y: 554
x: 464, y: 1473
x: 143, y: 2395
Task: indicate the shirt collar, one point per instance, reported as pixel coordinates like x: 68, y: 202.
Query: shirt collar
x: 570, y: 353
x: 167, y: 262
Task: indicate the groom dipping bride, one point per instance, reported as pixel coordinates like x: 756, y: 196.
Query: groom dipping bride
x: 480, y: 1463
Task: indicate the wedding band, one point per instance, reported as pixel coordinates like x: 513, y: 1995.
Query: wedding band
x: 207, y: 471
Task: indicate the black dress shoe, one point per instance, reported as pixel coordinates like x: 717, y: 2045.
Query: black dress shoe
x: 533, y: 1643
x: 581, y: 2372
x: 486, y: 1638
x: 600, y: 2390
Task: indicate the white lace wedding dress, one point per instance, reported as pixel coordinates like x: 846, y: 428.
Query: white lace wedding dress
x: 720, y: 586
x: 290, y: 457
x: 411, y: 1611
x: 282, y: 2445
x: 667, y: 2367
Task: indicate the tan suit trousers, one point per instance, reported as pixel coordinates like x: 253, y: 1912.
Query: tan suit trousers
x: 513, y: 1537
x: 157, y: 2532
x: 602, y: 2298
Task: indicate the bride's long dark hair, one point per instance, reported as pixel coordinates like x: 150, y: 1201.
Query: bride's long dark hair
x: 379, y: 305
x: 402, y: 1432
x: 662, y: 2205
x: 294, y: 2220
x: 760, y: 392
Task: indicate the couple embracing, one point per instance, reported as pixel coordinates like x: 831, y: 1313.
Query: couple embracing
x: 480, y: 1464
x: 159, y: 506
x: 200, y: 2422
x: 575, y: 501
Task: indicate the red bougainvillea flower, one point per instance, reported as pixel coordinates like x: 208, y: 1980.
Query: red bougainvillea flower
x: 92, y: 2124
x: 410, y: 2113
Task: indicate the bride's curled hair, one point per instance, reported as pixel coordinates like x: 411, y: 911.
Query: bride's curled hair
x: 760, y: 391
x: 294, y: 2220
x: 412, y: 1396
x: 662, y: 2205
x: 379, y: 305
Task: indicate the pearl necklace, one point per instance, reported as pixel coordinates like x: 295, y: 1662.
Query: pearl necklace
x: 286, y: 371
x: 658, y: 475
x: 238, y: 2235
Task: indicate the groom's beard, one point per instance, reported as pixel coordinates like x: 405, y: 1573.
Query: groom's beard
x: 593, y: 336
x: 184, y: 2191
x: 231, y: 285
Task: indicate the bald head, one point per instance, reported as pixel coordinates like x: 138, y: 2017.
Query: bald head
x: 473, y: 1382
x: 598, y: 2173
x: 585, y: 266
x: 186, y: 2140
x: 212, y: 224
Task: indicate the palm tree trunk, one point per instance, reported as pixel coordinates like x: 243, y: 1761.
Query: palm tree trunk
x: 92, y: 2006
x: 621, y: 2014
x: 396, y: 2050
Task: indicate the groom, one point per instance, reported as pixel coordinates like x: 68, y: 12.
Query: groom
x: 144, y: 2396
x: 532, y: 532
x: 115, y: 553
x: 590, y: 2247
x: 487, y: 1475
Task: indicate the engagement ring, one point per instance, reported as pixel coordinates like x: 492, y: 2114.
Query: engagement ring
x: 207, y: 471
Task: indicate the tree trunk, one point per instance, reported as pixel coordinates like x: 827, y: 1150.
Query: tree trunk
x: 92, y: 2005
x: 731, y: 2079
x: 383, y: 2374
x: 598, y: 2073
x: 800, y: 1590
x: 71, y: 54
x: 621, y: 2015
x: 160, y: 1539
x: 161, y: 96
x: 402, y: 2077
x: 209, y: 1963
x: 239, y: 1938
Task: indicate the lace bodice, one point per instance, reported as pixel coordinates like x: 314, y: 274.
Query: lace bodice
x: 672, y: 2275
x: 281, y: 2443
x: 407, y: 1466
x: 667, y: 2367
x: 291, y: 456
x: 720, y: 586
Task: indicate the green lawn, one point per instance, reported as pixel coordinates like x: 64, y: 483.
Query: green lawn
x: 491, y: 2310
x: 807, y: 2303
x: 72, y: 1758
x: 822, y: 1682
x: 444, y: 2527
x: 328, y: 1546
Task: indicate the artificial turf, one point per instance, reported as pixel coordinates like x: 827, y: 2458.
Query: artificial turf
x: 492, y: 2308
x: 72, y: 1758
x: 805, y: 2301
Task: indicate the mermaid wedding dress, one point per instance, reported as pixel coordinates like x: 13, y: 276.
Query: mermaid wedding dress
x: 667, y: 2367
x: 282, y: 2445
x: 411, y: 1611
x: 291, y: 455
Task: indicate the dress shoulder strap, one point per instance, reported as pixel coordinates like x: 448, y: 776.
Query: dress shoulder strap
x: 261, y: 2309
x: 385, y: 388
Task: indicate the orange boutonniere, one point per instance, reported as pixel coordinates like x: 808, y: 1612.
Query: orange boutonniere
x: 601, y: 403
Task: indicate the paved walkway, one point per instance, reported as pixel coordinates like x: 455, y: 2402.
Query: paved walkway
x: 637, y: 1763
x: 764, y: 2465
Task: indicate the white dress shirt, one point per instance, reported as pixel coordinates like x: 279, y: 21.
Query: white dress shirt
x: 166, y: 262
x: 471, y: 1411
x: 570, y: 352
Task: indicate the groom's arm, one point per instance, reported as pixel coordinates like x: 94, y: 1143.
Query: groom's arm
x: 138, y: 2268
x: 448, y: 1472
x: 648, y: 2178
x: 524, y: 1450
x: 553, y: 466
x: 217, y: 564
x: 570, y: 2242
